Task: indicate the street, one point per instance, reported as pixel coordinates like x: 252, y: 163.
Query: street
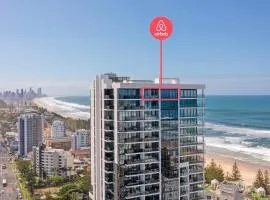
x: 9, y: 192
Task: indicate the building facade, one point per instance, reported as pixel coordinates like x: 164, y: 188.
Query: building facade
x: 30, y: 131
x: 58, y: 129
x: 80, y: 139
x: 51, y: 162
x: 147, y: 140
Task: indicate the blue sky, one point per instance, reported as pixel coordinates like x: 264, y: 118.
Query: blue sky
x: 61, y: 45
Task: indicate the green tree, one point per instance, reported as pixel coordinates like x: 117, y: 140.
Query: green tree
x: 227, y: 177
x: 235, y: 175
x: 212, y: 171
x: 84, y: 183
x: 266, y: 182
x: 259, y: 181
x: 70, y: 186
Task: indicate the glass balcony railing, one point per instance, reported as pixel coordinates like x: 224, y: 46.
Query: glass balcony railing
x: 196, y: 169
x: 151, y: 189
x: 183, y: 153
x: 190, y: 143
x: 140, y: 182
x: 151, y: 149
x: 130, y: 151
x: 109, y: 128
x: 140, y: 161
x: 196, y: 179
x: 108, y: 107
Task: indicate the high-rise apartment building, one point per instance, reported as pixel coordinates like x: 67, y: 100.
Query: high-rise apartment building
x: 58, y: 129
x: 147, y: 140
x: 80, y: 139
x: 30, y: 131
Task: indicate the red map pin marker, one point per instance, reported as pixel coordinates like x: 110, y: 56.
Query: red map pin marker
x: 161, y: 28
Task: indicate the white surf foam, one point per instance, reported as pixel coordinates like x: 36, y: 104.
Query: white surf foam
x: 257, y: 152
x: 64, y: 109
x: 238, y: 130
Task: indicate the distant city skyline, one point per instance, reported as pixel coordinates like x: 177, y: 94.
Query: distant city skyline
x: 61, y: 45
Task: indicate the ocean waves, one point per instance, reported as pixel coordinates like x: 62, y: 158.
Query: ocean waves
x: 64, y: 109
x: 237, y: 130
x: 243, y: 143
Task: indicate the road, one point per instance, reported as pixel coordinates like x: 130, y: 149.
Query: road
x: 9, y: 192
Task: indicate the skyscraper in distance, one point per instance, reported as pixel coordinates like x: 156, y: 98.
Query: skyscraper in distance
x: 147, y: 140
x: 30, y: 131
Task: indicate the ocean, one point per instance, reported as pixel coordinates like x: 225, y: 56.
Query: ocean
x: 236, y: 126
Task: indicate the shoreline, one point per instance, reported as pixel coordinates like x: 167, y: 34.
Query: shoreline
x: 60, y: 108
x: 248, y: 170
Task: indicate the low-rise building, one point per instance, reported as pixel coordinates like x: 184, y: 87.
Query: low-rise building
x: 51, y: 162
x: 59, y: 143
x: 80, y: 154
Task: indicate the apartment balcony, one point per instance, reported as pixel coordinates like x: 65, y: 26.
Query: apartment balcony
x: 109, y: 195
x: 141, y: 161
x: 149, y: 117
x: 152, y: 189
x: 108, y: 107
x: 109, y: 157
x: 109, y: 138
x: 109, y: 168
x: 184, y: 181
x: 139, y: 172
x: 132, y: 118
x: 130, y: 129
x: 109, y: 146
x: 108, y: 117
x: 151, y: 181
x: 133, y: 194
x: 184, y: 153
x: 108, y: 128
x: 109, y: 177
x: 191, y: 143
x: 132, y: 183
x: 195, y: 179
x: 111, y: 96
x: 194, y: 170
x: 131, y: 140
x: 184, y: 96
x: 153, y: 138
x: 132, y: 151
x: 151, y: 128
x: 184, y: 172
x: 130, y: 107
x: 151, y: 149
x: 183, y: 192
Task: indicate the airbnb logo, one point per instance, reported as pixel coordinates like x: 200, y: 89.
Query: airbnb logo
x: 161, y: 28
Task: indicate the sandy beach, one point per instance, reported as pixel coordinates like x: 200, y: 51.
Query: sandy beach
x: 248, y: 170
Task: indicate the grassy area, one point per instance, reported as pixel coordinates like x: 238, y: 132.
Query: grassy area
x: 257, y: 197
x: 48, y: 189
